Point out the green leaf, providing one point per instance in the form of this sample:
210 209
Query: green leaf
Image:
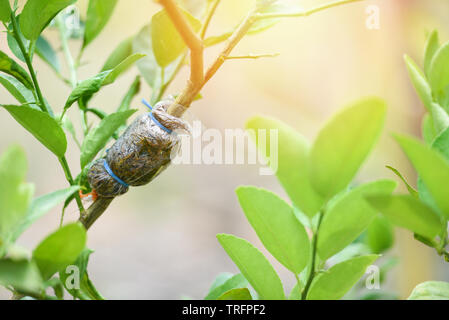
236 281
81 262
439 76
432 167
17 89
14 45
148 66
441 143
236 294
22 275
86 88
431 290
348 216
123 50
41 206
408 212
60 249
276 226
410 189
439 116
122 67
37 14
295 294
45 51
432 45
166 41
379 235
5 11
344 143
98 14
254 266
9 66
100 135
428 129
292 165
335 282
42 126
15 195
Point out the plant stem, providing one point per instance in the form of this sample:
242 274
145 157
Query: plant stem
253 56
304 13
26 55
314 253
210 13
69 178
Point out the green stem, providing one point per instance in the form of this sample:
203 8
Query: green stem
314 253
25 54
69 178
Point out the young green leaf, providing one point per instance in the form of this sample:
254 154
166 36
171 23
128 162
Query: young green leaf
45 51
432 167
60 249
14 45
236 281
254 266
335 282
123 50
9 66
343 144
42 126
439 75
431 290
98 14
122 67
86 88
428 129
295 294
37 14
410 189
17 89
276 226
292 167
166 41
439 116
348 217
408 212
236 294
5 11
441 143
22 275
432 45
100 135
41 206
379 235
15 195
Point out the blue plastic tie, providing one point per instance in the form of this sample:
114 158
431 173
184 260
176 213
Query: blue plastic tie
112 174
160 125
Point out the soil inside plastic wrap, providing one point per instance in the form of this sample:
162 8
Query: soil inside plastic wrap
141 153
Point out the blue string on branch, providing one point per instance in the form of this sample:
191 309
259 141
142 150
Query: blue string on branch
160 125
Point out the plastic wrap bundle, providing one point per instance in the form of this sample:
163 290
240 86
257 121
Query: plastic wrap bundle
141 153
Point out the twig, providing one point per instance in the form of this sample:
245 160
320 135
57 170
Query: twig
253 56
304 13
211 11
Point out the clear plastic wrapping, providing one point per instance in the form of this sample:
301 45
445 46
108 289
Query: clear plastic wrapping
140 154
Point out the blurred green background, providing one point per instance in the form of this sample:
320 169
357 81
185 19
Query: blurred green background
158 241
